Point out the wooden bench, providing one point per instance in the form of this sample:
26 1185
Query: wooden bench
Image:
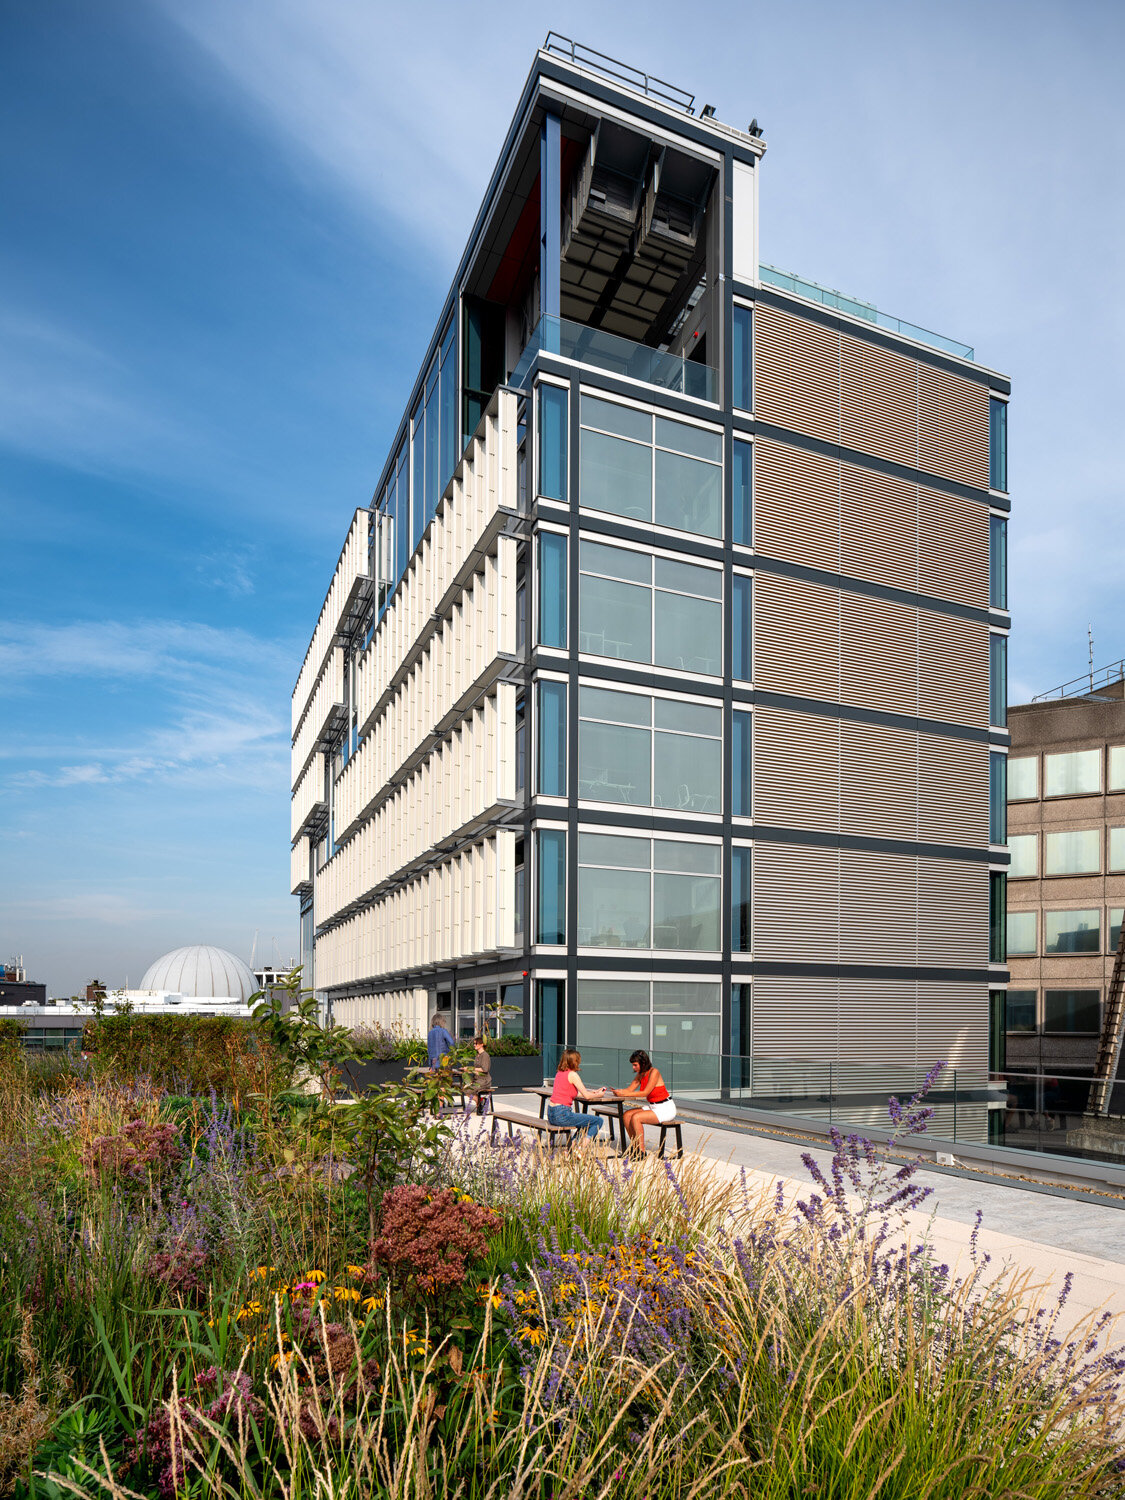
664 1129
529 1122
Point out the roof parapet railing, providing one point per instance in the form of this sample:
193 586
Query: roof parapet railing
620 72
1088 683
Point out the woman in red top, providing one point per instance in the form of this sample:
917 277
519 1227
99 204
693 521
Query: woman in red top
648 1085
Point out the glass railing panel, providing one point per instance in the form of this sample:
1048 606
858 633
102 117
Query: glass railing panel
618 356
812 291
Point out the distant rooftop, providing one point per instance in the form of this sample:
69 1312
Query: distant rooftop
1104 682
827 297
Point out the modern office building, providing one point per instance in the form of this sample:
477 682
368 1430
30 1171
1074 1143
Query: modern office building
659 693
1066 884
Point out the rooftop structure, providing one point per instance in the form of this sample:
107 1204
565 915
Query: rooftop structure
660 691
200 972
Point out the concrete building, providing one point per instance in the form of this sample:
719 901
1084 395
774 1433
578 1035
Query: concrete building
17 989
660 689
1066 884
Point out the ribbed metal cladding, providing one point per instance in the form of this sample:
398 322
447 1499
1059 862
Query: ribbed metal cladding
878 653
795 1017
952 791
879 528
876 1025
952 669
796 901
952 547
953 913
879 401
878 781
952 426
796 770
878 922
950 1031
796 505
796 373
796 637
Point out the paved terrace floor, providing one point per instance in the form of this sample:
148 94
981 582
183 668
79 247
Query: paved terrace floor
1044 1234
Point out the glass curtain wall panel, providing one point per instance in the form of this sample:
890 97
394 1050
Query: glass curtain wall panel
642 751
648 468
641 893
635 607
997 444
740 900
742 392
741 806
742 486
998 679
552 739
550 907
999 918
997 562
1072 1010
742 663
997 798
553 442
552 590
1021 1010
1072 931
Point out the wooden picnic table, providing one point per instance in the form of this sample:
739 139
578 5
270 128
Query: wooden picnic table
612 1109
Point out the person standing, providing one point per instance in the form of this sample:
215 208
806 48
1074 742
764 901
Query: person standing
569 1087
438 1042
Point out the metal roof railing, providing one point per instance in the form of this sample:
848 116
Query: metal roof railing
620 72
1087 684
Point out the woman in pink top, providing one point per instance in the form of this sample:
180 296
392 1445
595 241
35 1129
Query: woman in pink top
568 1087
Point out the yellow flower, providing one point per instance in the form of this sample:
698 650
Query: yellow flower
567 1289
313 1276
265 1271
371 1303
532 1335
355 1270
345 1294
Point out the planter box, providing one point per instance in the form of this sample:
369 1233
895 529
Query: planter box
516 1072
360 1076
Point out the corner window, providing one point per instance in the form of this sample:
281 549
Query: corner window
552 590
552 442
1024 849
1074 775
1023 778
550 908
998 679
742 388
552 739
998 562
1021 934
742 479
650 469
1072 931
636 607
997 798
997 444
1075 853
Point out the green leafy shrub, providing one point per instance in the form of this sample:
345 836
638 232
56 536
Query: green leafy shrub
511 1046
190 1054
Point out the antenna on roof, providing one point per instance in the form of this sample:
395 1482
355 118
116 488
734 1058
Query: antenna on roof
1090 638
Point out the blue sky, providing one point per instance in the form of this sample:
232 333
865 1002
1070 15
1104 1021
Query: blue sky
227 229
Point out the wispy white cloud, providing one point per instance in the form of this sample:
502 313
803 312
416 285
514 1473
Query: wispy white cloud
144 648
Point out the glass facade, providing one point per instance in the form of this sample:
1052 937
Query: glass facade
742 663
647 893
550 907
636 607
1023 778
997 798
1022 937
1076 774
999 919
649 752
742 391
997 444
660 1015
1021 1010
650 469
1072 1010
741 751
552 590
998 562
553 403
998 679
740 891
742 485
552 739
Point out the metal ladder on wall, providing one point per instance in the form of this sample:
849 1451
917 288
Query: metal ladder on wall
1113 1033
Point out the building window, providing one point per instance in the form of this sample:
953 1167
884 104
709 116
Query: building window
1072 1010
742 663
999 919
997 798
1074 775
998 679
741 746
650 469
997 444
741 1027
997 562
635 607
687 1018
1072 931
1114 929
552 739
682 1017
550 908
742 392
649 752
552 442
550 1018
1021 934
614 1013
742 484
997 1036
647 893
1023 778
1117 768
1024 848
552 590
1074 853
740 900
1020 1010
1117 849
521 895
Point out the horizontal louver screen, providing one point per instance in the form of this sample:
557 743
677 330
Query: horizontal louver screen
953 912
796 637
878 781
952 547
797 505
796 373
879 654
879 528
952 669
952 426
879 394
952 791
796 770
796 897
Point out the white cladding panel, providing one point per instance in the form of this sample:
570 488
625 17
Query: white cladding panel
744 215
351 567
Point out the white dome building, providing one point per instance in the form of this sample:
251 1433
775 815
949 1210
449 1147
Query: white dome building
203 973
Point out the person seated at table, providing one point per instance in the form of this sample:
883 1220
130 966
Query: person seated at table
654 1106
568 1087
476 1079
